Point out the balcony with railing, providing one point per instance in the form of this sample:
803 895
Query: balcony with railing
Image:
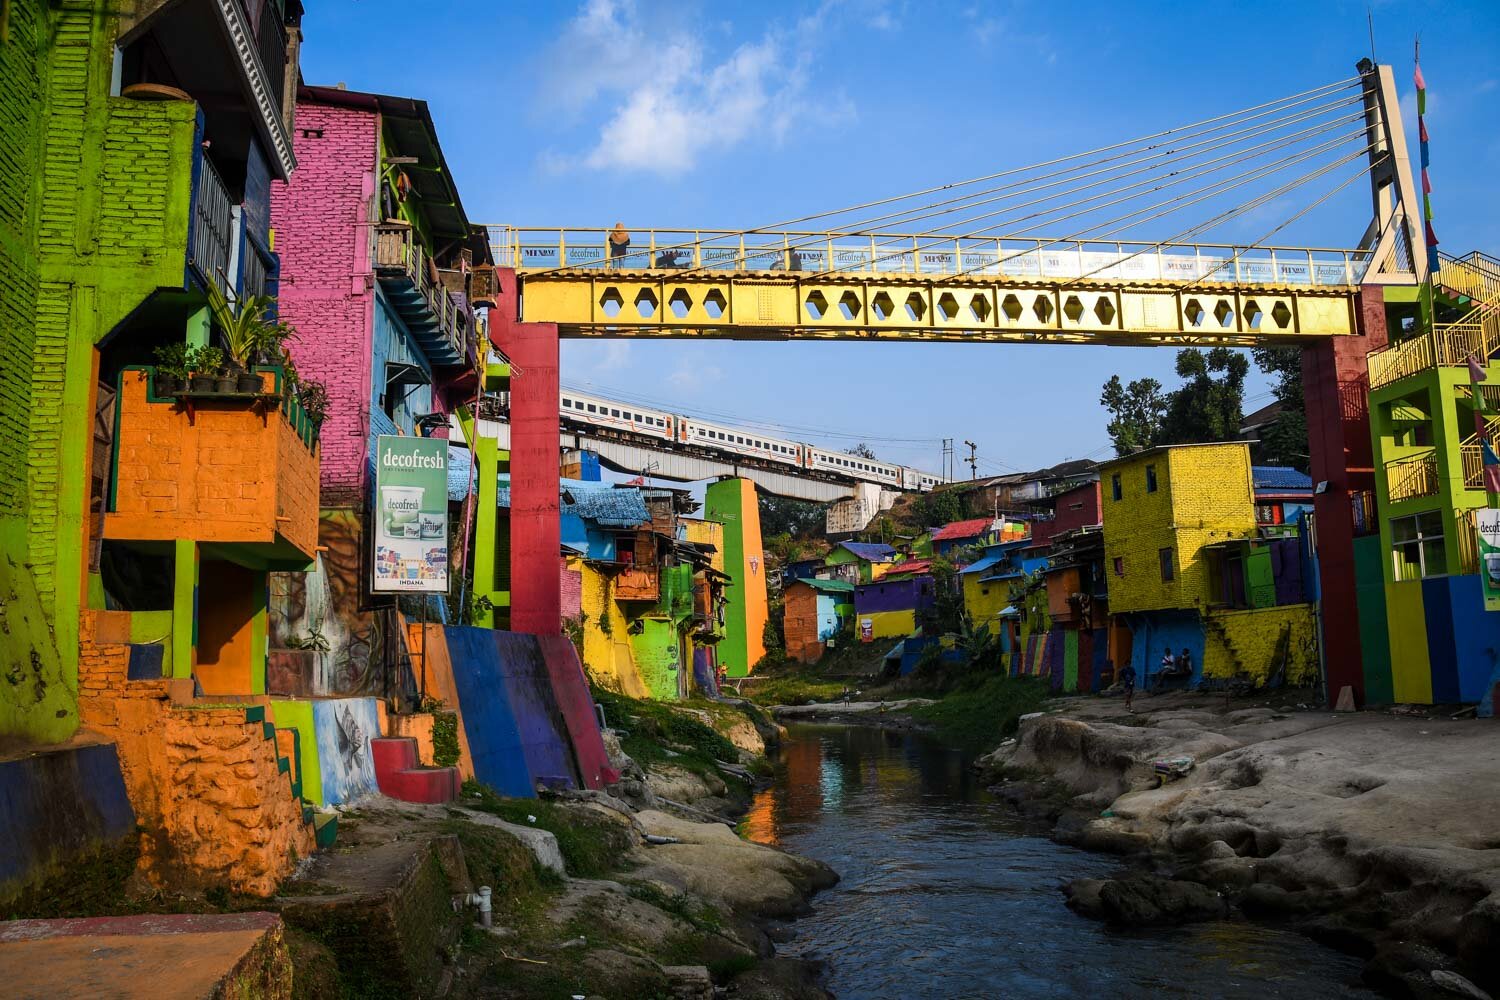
1409 478
238 471
438 318
1448 344
212 236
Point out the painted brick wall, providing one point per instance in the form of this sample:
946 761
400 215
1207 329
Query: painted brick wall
1203 495
229 475
21 97
1248 644
321 220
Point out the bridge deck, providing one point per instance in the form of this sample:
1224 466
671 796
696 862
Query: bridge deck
928 286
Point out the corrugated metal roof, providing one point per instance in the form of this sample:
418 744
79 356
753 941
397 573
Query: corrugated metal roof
962 529
1279 477
870 551
988 562
610 506
908 567
827 586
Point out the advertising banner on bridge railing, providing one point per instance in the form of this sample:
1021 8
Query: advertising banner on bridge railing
411 515
1487 520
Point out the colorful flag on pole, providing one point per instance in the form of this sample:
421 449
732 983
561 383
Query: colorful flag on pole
1426 159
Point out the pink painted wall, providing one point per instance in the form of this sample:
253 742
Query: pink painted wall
321 220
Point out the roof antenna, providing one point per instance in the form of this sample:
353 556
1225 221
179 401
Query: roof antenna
1370 20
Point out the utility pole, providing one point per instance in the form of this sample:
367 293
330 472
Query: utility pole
973 459
947 458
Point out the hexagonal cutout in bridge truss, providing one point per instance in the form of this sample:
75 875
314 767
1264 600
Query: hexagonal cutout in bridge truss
849 306
1194 312
715 304
1043 308
947 307
816 305
1254 314
1224 313
646 303
1105 310
1012 308
680 303
611 302
1281 316
1073 308
916 307
979 307
882 306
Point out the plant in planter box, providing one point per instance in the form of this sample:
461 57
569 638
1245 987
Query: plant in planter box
206 363
313 396
172 368
244 334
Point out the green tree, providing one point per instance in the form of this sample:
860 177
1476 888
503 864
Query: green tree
1285 442
939 507
1136 411
797 518
1207 406
862 450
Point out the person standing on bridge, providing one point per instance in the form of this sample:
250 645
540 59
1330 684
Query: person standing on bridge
619 244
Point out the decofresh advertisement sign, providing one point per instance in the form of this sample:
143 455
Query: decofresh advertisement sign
1488 520
411 515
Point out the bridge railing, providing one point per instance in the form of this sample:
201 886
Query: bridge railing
924 255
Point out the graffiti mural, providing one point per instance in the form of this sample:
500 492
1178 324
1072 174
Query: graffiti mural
319 614
344 728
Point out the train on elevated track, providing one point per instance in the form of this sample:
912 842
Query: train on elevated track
580 411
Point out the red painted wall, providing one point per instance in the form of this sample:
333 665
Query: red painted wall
1336 386
535 517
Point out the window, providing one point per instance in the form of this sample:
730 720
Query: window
1417 546
614 413
1119 565
1164 556
591 408
1114 488
1150 479
568 404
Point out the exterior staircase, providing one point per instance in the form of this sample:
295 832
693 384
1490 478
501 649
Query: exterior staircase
289 762
1471 282
401 776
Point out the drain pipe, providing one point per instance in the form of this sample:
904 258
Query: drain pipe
481 899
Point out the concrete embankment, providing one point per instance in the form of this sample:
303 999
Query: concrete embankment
1377 833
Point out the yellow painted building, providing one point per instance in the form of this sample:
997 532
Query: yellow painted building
607 654
984 600
889 624
1161 507
702 532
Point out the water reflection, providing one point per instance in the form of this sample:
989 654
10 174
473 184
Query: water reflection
943 894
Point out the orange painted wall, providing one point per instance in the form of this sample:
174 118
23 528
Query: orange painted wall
232 474
440 683
801 624
226 612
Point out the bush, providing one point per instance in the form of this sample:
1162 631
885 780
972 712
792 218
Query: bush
984 711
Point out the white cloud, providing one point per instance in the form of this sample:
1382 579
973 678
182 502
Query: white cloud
669 101
694 376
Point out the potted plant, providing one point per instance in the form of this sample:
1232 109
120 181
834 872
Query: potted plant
243 335
225 380
313 395
205 363
171 368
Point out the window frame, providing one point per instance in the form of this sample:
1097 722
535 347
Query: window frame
1116 488
1418 543
1151 483
1166 561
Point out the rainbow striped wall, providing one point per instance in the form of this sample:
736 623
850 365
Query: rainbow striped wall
1072 660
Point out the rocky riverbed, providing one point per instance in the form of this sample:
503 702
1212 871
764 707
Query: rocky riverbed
1375 832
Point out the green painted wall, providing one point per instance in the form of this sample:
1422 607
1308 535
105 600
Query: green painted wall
1374 638
154 627
94 198
298 715
657 656
722 501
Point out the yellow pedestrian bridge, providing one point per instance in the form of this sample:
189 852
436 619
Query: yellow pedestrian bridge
820 285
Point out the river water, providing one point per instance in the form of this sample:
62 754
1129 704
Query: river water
944 894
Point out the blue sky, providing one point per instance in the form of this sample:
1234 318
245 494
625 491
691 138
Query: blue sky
733 116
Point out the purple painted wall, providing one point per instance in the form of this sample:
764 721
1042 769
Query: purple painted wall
912 594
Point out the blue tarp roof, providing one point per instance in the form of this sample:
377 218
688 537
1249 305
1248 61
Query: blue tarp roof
601 503
871 551
1279 477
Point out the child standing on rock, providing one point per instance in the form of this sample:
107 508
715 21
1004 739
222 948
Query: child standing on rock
1127 682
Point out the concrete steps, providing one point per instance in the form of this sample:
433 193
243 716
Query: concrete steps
400 776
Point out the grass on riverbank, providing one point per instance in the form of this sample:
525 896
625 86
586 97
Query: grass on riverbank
795 687
982 711
591 846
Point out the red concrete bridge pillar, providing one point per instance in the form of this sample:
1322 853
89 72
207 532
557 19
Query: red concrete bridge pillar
535 526
1336 387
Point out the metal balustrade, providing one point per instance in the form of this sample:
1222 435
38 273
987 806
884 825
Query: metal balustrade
936 254
440 323
1407 478
212 234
